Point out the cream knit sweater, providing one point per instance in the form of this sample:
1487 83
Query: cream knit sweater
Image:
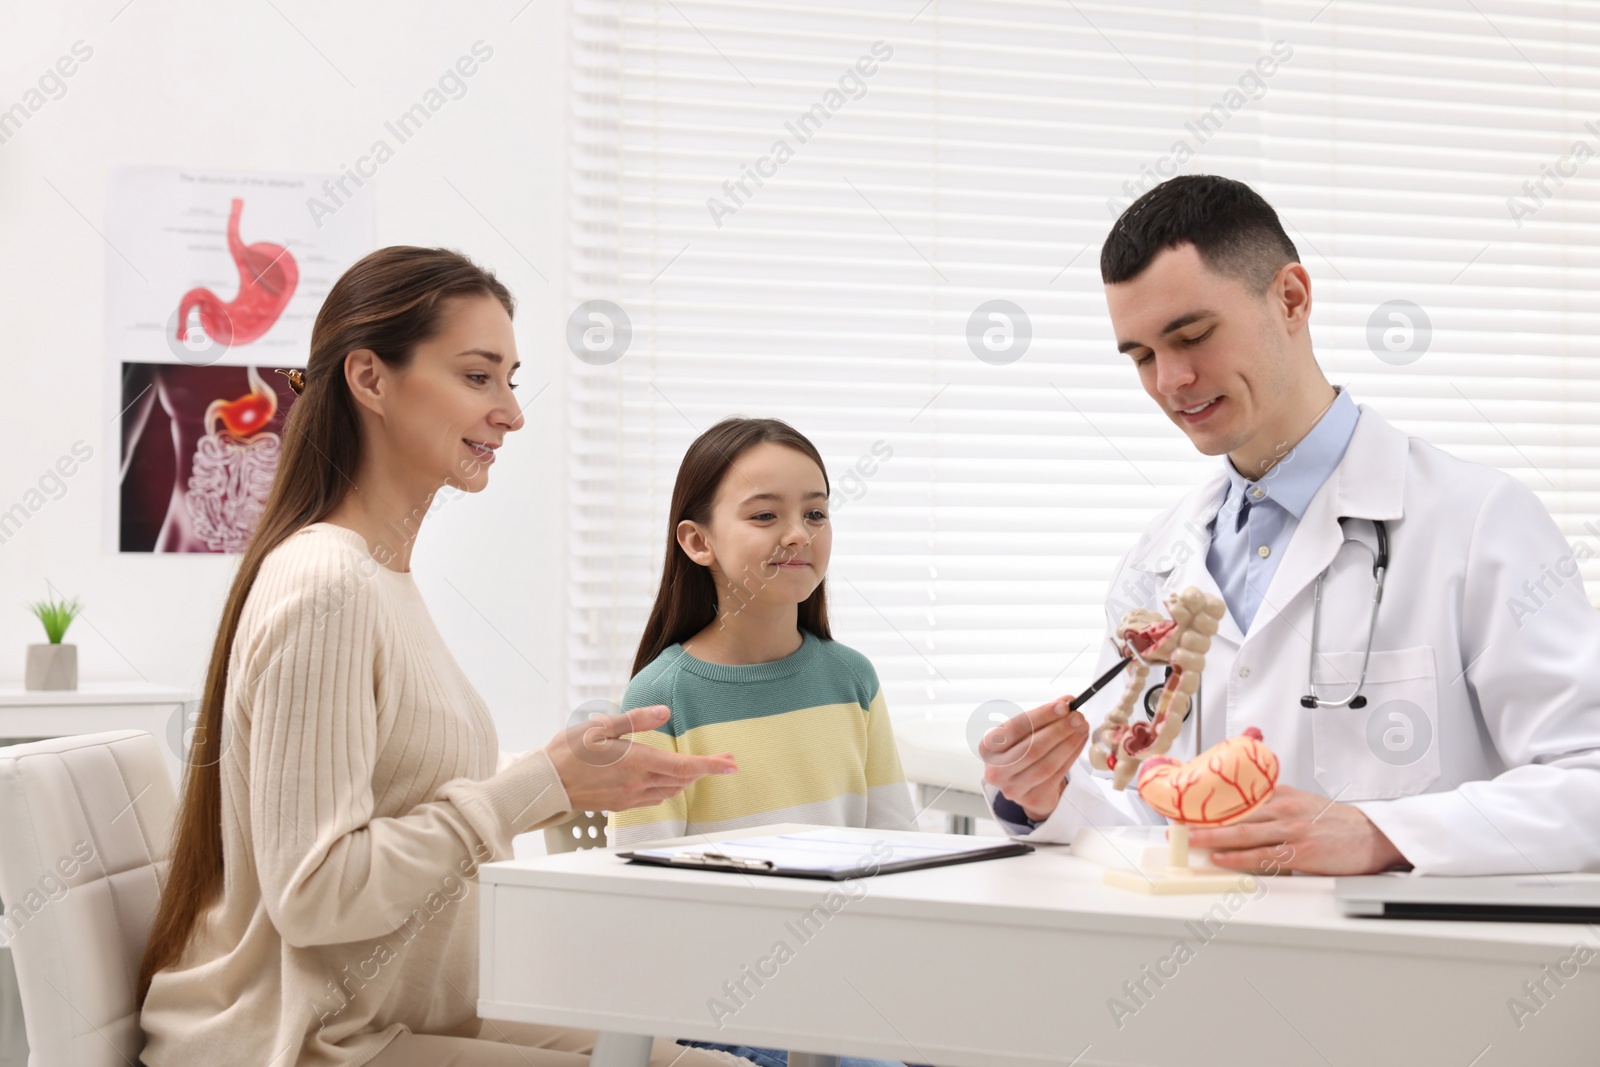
362 786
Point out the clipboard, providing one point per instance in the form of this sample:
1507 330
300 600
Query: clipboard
835 855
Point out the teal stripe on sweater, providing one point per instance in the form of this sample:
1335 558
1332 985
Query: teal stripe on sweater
700 693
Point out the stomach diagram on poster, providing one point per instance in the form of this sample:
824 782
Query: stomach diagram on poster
268 274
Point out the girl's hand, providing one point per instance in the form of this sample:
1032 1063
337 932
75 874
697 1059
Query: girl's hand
601 771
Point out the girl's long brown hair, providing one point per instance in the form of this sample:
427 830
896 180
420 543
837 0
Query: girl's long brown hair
388 302
686 603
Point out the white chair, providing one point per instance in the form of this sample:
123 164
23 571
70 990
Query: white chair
84 828
586 829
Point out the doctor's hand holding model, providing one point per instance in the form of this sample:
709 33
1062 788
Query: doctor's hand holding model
1456 728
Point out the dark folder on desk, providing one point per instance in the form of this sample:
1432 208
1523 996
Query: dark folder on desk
830 854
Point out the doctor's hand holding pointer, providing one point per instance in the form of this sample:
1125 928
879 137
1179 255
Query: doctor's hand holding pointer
1027 758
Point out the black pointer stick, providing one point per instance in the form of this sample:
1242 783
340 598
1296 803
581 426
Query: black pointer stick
1099 684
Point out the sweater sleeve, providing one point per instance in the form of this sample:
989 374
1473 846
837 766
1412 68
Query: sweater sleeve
888 796
329 871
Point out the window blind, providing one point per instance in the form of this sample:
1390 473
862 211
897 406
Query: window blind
815 212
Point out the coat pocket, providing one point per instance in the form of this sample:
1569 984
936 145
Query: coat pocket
1390 747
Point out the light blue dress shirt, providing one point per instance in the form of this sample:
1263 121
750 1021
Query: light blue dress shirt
1244 554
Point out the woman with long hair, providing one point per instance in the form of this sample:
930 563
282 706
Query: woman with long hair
346 779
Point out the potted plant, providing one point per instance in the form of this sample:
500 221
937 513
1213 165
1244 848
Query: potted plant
55 665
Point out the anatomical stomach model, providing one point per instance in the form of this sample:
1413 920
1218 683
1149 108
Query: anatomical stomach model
200 450
1220 786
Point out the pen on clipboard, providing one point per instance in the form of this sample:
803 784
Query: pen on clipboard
1099 683
718 859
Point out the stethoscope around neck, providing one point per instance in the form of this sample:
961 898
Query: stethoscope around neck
1355 700
1380 565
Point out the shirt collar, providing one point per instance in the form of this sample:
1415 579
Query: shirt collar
1295 478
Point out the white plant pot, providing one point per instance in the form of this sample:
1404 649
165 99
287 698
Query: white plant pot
52 667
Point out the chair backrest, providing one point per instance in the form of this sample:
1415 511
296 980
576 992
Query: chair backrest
84 828
587 829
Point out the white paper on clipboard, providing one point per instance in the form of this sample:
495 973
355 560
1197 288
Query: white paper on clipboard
823 851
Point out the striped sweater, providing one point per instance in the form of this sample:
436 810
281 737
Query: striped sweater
810 732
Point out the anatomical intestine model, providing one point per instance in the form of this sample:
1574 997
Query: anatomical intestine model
1220 786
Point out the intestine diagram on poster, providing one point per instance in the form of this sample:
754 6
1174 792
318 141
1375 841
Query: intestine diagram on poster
214 286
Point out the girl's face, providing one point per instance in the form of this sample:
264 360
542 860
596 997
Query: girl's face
448 410
768 540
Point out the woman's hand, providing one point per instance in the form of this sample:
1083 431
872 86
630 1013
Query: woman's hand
603 772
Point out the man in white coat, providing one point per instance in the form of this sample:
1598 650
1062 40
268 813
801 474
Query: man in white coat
1472 743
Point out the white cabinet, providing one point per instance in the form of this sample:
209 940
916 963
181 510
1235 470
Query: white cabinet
31 714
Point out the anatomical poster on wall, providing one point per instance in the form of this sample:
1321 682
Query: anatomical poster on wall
213 281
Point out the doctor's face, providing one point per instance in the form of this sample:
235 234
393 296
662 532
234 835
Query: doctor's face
1212 353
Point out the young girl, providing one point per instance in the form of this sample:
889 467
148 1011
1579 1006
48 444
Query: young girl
738 647
346 780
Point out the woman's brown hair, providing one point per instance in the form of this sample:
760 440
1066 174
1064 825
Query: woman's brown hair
686 603
389 302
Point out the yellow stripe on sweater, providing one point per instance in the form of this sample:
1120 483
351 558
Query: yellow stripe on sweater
808 756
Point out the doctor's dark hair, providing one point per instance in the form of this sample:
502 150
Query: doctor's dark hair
389 302
1234 230
686 603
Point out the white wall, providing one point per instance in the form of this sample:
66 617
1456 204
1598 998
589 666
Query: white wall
243 86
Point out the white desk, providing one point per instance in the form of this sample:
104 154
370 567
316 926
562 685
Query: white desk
942 768
94 707
1016 961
